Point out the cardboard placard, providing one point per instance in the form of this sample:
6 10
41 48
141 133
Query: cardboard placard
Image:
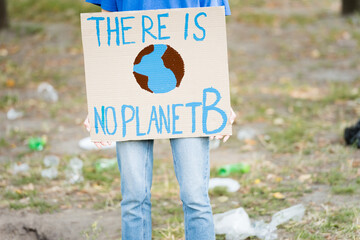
156 73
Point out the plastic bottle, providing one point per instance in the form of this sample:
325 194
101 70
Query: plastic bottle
36 143
47 92
104 164
12 114
52 162
24 167
74 171
50 173
226 170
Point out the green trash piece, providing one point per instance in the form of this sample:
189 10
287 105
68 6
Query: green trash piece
36 143
226 170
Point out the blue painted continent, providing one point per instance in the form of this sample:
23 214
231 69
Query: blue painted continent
160 78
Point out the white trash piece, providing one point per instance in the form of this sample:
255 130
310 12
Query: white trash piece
231 184
47 92
74 171
52 162
12 114
50 173
236 225
24 167
87 144
246 133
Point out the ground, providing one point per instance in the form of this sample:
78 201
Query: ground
294 75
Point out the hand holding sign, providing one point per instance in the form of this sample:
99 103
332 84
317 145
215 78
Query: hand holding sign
231 121
88 128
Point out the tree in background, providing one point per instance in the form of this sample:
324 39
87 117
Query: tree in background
350 6
3 15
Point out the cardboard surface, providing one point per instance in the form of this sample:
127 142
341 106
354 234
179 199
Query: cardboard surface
156 73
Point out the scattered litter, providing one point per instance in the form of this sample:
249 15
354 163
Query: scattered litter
214 144
226 170
12 114
105 164
231 184
24 167
352 135
50 173
74 171
36 143
52 162
246 133
236 224
47 92
87 144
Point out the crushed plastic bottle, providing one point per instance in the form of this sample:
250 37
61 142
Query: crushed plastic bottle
22 167
230 184
50 173
52 162
47 92
236 225
74 171
36 143
87 144
105 164
226 170
12 114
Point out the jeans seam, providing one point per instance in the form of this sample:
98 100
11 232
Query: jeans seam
142 204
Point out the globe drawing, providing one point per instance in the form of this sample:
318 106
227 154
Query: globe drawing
158 68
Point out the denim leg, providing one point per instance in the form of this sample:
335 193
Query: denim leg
192 170
135 161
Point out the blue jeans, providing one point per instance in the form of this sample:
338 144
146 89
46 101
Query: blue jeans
192 170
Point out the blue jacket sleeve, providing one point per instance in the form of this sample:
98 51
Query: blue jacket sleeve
215 3
108 5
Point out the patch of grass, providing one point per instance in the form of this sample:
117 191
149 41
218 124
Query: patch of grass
101 178
17 195
3 142
296 132
332 177
337 223
340 92
219 191
49 10
41 205
34 178
344 190
7 100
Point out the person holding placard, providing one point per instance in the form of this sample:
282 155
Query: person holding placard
190 156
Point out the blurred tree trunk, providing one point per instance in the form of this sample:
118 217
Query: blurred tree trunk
350 6
3 15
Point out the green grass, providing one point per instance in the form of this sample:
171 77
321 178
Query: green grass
7 101
34 178
344 190
40 205
49 10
